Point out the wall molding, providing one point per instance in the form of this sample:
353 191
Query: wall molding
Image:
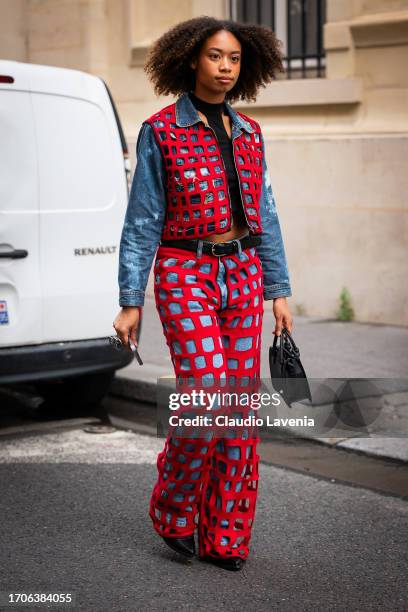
377 30
308 92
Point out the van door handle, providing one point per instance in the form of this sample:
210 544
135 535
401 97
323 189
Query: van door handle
14 254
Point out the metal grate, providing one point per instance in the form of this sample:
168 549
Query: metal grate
298 23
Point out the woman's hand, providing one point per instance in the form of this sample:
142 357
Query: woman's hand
127 323
282 315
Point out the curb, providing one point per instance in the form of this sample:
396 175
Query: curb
146 392
133 389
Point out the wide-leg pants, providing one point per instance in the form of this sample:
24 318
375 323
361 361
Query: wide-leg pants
211 310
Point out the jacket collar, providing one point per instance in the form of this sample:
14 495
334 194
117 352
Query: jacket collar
186 114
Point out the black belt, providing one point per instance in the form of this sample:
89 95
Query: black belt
215 248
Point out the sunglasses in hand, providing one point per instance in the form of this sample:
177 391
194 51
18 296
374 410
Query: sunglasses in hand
118 344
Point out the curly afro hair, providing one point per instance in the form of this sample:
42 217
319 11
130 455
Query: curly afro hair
167 64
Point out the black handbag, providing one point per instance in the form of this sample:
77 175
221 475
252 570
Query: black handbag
287 372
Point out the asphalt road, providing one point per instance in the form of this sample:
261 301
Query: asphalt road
74 519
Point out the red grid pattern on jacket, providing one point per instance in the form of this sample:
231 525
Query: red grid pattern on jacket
198 202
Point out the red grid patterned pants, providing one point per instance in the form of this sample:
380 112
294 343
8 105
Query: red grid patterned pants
211 310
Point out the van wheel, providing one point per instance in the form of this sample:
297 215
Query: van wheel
73 394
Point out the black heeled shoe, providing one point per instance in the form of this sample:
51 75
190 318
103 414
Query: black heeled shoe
185 546
233 564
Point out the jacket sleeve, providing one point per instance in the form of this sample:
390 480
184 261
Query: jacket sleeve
272 251
144 220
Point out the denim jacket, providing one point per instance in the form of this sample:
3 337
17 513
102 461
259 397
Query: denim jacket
145 215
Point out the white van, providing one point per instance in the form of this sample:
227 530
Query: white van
64 185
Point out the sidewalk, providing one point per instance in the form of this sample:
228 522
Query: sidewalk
329 349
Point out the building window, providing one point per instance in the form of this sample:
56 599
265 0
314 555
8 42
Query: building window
297 23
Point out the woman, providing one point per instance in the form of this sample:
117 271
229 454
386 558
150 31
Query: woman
201 193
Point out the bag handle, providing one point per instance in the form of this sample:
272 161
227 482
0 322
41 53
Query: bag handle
279 349
290 349
291 341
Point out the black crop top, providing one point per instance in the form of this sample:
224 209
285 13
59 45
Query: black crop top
213 113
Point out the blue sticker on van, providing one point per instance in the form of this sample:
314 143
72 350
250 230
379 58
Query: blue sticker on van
3 312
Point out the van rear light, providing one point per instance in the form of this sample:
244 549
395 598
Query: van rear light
4 78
